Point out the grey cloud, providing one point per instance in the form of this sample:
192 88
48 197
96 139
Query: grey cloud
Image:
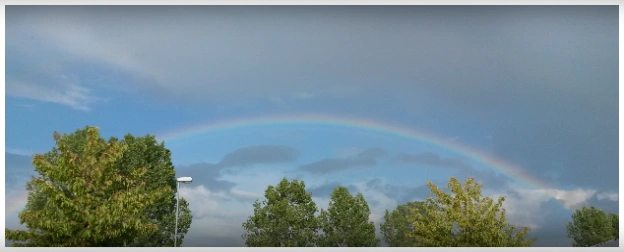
206 174
580 149
334 164
402 194
429 158
208 169
373 202
554 233
606 205
555 103
209 174
488 178
481 45
548 75
366 158
18 163
549 235
325 190
261 154
372 153
244 197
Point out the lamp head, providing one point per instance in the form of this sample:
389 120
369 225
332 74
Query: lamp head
186 180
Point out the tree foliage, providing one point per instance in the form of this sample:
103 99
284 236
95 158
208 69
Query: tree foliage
397 227
590 226
615 224
147 152
93 192
286 218
346 221
464 218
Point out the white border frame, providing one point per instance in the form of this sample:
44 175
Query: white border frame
308 2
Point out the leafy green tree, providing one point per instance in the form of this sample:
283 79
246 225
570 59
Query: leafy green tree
142 155
147 152
464 218
615 224
346 221
88 203
397 227
286 218
590 226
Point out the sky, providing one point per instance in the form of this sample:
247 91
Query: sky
379 99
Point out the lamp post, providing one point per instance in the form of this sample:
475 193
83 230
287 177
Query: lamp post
185 180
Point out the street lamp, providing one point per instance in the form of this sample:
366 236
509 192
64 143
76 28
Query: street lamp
185 180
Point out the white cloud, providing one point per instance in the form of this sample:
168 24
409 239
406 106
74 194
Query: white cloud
66 93
608 196
217 218
245 195
523 207
572 198
202 201
522 210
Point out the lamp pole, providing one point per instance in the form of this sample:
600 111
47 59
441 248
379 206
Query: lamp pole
175 240
185 180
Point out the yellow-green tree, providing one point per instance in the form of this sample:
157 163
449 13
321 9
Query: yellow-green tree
464 218
83 197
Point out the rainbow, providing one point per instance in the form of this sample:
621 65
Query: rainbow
15 202
514 172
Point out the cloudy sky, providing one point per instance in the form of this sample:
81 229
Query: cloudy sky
536 87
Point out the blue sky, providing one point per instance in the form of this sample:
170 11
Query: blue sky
534 86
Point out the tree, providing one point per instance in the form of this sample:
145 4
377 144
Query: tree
615 224
464 218
346 221
140 160
590 226
397 226
286 218
147 152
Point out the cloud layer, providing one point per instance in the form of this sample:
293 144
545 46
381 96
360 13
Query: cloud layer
364 159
